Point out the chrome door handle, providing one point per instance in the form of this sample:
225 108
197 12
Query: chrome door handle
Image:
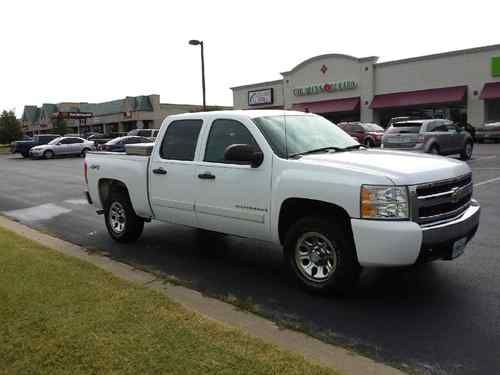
206 176
159 171
94 166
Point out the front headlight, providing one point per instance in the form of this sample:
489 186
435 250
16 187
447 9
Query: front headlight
384 202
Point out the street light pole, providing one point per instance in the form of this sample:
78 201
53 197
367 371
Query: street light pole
195 42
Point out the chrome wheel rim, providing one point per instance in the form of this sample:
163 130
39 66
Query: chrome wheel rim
117 217
315 257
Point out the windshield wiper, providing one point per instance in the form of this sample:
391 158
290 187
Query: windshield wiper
316 150
349 148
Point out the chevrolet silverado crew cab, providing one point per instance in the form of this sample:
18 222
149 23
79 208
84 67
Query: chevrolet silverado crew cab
294 179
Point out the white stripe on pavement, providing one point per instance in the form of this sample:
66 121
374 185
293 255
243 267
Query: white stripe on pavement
36 213
487 181
76 201
484 158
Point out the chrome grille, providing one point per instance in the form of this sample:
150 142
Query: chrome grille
441 201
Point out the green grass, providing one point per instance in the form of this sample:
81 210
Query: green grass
61 315
4 149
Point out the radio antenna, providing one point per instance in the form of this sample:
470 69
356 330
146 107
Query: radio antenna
286 139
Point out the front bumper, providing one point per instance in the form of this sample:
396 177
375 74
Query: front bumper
36 153
438 240
403 243
419 147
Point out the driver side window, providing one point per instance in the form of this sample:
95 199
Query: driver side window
224 133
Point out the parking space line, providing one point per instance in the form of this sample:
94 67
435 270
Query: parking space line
484 158
487 181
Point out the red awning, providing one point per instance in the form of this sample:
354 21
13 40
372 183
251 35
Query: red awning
421 97
491 91
327 106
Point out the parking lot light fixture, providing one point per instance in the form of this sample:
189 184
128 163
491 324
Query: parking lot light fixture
195 42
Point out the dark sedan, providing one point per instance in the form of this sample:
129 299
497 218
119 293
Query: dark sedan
118 144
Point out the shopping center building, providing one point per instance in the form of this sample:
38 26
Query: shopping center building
463 86
122 115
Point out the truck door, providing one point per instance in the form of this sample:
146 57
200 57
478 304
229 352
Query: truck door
234 198
172 181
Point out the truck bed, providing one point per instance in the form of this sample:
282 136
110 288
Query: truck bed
131 170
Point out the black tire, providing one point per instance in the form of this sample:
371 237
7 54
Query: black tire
133 225
48 154
466 153
25 155
434 149
84 152
369 143
343 277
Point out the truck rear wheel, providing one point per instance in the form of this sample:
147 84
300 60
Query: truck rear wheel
321 256
121 220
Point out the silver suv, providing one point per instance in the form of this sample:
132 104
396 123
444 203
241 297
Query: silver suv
432 136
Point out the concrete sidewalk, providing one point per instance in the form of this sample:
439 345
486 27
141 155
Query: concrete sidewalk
312 349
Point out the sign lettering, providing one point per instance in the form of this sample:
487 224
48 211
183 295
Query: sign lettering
260 97
325 88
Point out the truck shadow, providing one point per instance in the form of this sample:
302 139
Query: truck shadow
378 318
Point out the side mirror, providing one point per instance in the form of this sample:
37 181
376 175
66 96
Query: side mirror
244 154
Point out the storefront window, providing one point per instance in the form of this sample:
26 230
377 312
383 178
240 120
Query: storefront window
492 110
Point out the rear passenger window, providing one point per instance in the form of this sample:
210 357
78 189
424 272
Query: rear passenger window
224 133
179 142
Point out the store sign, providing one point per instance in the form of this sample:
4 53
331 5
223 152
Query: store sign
325 88
260 97
495 66
72 115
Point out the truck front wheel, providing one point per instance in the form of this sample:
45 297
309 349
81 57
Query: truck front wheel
321 256
122 222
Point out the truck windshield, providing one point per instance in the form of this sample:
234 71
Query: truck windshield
298 134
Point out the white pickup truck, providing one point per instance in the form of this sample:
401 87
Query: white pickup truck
295 179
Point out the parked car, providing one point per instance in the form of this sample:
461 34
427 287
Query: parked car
118 144
399 119
469 129
434 136
149 133
24 147
101 139
63 146
488 132
293 179
367 134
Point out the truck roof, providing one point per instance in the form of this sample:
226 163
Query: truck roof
250 113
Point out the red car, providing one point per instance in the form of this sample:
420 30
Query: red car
368 134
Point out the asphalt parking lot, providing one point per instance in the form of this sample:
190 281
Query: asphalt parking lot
440 318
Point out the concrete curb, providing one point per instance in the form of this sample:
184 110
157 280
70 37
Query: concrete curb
312 349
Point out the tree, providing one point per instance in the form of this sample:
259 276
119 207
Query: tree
10 127
60 126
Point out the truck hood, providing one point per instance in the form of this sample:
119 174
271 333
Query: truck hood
403 168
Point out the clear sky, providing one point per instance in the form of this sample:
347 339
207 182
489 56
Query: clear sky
73 50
